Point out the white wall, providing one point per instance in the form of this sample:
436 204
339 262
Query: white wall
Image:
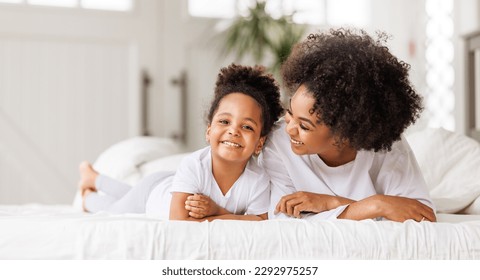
69 88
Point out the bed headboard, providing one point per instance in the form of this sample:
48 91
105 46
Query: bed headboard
472 84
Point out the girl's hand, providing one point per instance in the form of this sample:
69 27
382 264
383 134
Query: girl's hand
396 208
200 206
294 204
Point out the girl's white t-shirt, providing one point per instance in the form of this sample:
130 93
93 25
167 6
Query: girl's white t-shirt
393 173
250 194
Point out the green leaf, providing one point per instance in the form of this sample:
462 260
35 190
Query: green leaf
260 35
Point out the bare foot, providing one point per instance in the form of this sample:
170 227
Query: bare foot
84 195
88 175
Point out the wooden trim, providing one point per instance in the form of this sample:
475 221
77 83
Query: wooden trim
471 47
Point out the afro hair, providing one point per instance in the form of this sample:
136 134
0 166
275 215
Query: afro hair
361 91
254 82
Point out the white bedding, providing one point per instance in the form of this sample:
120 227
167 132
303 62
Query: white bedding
62 232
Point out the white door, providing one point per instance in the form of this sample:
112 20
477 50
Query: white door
191 46
70 84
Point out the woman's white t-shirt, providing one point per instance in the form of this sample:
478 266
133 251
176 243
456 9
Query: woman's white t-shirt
393 173
250 194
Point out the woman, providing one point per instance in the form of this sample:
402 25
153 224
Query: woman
340 153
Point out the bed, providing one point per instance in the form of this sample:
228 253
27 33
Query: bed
449 161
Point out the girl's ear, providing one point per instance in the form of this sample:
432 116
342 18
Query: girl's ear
207 134
260 145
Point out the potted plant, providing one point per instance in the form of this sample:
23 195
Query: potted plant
267 40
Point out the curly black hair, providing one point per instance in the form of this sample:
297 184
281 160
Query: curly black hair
361 91
251 81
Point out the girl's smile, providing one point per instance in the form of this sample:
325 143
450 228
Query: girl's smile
231 144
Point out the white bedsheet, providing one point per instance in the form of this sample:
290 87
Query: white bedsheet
61 232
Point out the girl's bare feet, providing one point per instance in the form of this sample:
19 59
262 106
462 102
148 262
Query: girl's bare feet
88 175
84 195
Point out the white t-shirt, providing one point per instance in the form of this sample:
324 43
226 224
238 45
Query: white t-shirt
390 173
250 194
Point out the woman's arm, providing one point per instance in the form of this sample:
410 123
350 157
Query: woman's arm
260 217
403 192
294 204
394 208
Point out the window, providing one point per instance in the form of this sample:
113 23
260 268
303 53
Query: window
348 12
112 5
212 8
440 98
306 11
56 3
314 12
109 5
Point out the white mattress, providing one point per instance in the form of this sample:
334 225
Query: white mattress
61 232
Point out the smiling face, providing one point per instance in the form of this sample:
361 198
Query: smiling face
307 135
310 136
234 133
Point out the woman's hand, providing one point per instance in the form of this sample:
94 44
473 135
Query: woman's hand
200 206
394 208
296 203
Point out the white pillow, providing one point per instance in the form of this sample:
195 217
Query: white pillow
473 208
122 161
168 163
450 163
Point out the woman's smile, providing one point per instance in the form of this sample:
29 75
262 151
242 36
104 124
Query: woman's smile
295 142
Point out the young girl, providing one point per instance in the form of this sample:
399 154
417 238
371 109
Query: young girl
340 152
225 180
